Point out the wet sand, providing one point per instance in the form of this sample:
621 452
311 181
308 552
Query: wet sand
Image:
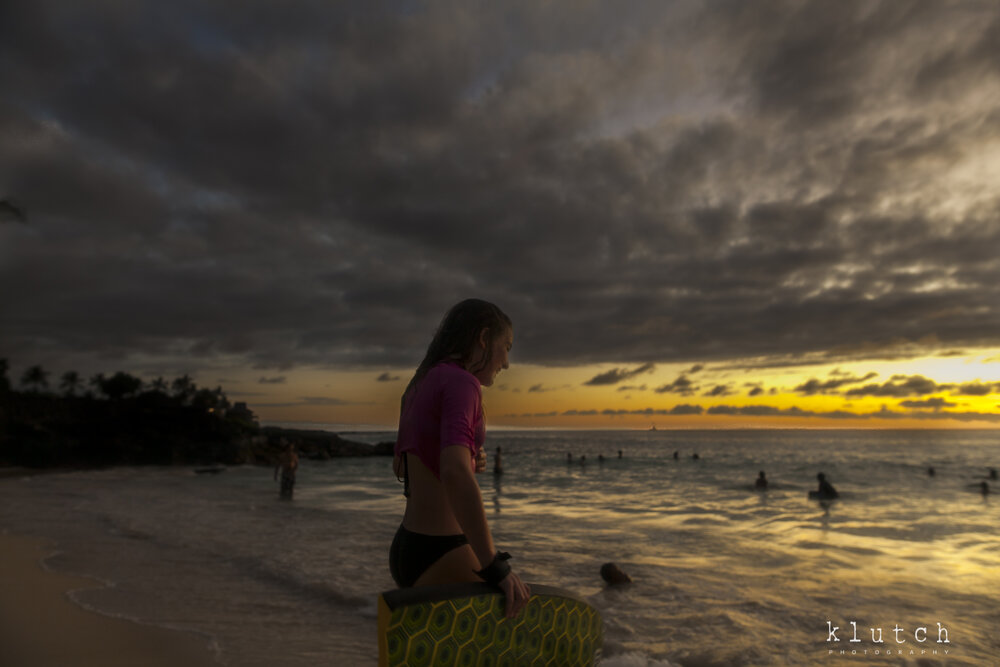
41 627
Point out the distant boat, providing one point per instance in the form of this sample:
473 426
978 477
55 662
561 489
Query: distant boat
653 427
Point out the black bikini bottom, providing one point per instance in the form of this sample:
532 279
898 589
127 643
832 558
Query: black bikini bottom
412 553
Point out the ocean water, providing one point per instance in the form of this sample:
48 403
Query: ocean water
722 574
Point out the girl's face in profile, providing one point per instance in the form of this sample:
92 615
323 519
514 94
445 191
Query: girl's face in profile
498 360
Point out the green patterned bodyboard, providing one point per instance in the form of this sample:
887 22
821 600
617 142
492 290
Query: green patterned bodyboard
464 624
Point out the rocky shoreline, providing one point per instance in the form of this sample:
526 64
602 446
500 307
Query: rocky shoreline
313 444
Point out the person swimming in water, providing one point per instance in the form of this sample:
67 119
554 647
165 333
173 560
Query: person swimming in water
761 483
497 464
826 490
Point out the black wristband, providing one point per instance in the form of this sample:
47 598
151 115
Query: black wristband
498 568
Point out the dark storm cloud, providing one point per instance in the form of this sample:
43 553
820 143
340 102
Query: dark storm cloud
314 184
677 410
11 212
815 386
929 410
682 385
751 410
933 403
899 386
308 401
977 389
884 413
387 377
616 375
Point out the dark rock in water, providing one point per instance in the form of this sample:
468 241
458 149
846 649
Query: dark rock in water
385 449
612 574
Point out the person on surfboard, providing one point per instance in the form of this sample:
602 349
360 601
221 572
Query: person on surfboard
444 536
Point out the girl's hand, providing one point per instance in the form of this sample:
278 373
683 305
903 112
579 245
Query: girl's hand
481 460
516 593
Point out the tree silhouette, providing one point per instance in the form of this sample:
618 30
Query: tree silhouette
210 400
117 422
222 401
4 382
70 383
97 382
184 388
35 378
121 385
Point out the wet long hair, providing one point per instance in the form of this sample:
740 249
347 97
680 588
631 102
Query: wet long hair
457 335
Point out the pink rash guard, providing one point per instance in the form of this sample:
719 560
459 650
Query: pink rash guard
445 408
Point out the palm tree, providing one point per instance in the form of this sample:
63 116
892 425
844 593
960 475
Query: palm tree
35 377
70 382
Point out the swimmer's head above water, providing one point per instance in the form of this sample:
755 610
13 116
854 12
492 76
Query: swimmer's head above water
612 574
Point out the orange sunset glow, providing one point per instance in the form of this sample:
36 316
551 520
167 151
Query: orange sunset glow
944 391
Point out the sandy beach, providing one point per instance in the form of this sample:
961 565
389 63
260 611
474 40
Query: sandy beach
41 627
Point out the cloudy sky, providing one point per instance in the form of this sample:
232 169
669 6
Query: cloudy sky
696 213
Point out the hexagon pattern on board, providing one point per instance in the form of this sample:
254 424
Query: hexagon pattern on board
473 632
